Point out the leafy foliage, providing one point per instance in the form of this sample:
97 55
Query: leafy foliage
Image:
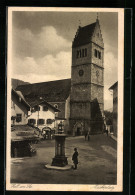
109 117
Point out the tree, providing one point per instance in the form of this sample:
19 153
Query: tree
108 117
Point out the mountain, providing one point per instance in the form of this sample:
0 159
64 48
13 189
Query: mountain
16 82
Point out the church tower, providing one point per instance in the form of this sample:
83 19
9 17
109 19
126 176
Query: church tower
87 80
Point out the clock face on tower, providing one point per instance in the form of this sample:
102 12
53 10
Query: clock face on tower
81 72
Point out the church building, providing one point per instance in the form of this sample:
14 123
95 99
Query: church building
87 80
81 98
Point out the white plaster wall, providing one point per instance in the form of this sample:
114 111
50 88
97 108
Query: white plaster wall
50 114
17 110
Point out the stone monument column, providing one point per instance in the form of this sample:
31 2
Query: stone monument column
60 159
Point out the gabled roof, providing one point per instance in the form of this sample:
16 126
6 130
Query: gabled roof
37 101
51 91
20 96
113 86
34 101
83 35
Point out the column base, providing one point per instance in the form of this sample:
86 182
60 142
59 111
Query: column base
59 161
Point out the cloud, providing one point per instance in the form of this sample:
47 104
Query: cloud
110 75
59 65
46 56
51 41
43 69
34 78
110 67
108 97
24 66
26 43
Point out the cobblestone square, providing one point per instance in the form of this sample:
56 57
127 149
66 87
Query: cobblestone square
97 163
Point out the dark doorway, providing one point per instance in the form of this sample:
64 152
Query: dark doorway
78 131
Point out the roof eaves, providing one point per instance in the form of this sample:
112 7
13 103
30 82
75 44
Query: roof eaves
44 101
21 98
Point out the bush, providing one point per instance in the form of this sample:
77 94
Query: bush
108 117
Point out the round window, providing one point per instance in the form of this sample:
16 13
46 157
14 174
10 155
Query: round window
56 105
81 72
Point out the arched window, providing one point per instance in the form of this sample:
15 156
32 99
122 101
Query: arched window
85 52
80 53
99 55
95 53
83 55
77 54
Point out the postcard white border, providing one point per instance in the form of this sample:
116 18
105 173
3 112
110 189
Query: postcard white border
71 187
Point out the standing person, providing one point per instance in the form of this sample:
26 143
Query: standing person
85 135
88 136
75 158
44 134
107 132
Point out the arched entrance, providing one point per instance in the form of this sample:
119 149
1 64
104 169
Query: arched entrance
78 128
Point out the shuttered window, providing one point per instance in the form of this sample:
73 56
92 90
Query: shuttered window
31 121
41 121
49 121
18 118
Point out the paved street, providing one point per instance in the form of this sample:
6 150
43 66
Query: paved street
97 163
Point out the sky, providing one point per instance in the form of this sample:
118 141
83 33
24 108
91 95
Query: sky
42 45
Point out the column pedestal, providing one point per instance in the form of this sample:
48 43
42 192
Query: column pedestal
60 159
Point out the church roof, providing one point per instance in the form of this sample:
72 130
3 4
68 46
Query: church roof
52 91
83 35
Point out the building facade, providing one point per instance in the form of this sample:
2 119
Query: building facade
42 114
87 80
114 87
56 93
81 98
19 109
